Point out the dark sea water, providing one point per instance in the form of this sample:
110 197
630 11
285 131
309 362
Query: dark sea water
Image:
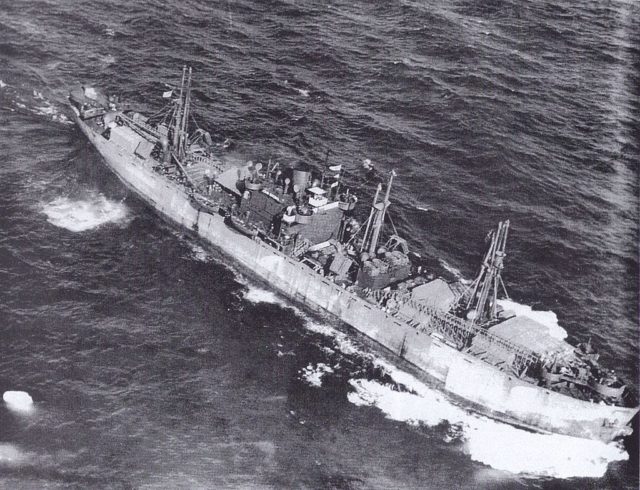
155 363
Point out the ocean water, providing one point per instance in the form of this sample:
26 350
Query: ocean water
152 362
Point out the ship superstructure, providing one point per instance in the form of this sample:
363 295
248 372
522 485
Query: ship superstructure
304 232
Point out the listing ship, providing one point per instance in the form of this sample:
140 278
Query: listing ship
304 233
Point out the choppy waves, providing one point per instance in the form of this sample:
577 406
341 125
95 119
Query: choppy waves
33 102
515 110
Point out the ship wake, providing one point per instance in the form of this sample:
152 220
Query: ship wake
492 443
500 446
34 102
85 214
404 398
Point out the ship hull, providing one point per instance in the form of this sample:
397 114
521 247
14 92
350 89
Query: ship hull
466 380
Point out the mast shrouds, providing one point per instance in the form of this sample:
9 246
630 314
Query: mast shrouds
482 303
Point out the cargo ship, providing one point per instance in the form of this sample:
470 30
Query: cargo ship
304 232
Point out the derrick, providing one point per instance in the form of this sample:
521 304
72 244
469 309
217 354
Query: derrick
482 301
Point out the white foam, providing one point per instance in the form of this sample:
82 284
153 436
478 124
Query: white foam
11 455
257 295
200 254
50 110
497 445
45 110
428 408
303 92
2 84
90 92
313 375
501 446
85 214
452 269
19 401
341 340
108 59
547 318
506 448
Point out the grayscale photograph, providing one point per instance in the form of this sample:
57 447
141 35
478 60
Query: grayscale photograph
286 244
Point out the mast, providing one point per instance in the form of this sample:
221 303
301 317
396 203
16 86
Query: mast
371 215
185 117
482 303
178 113
381 211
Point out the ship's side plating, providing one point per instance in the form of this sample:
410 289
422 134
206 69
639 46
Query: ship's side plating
464 377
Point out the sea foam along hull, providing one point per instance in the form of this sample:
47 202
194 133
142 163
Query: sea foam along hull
463 377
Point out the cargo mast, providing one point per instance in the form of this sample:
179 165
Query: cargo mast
181 114
177 113
376 218
482 303
185 117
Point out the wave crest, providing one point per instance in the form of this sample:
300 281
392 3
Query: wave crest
495 444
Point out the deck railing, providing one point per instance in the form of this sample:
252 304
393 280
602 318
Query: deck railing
460 331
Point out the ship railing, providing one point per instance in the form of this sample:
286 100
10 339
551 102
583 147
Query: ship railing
199 158
467 330
271 242
195 158
460 330
205 160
